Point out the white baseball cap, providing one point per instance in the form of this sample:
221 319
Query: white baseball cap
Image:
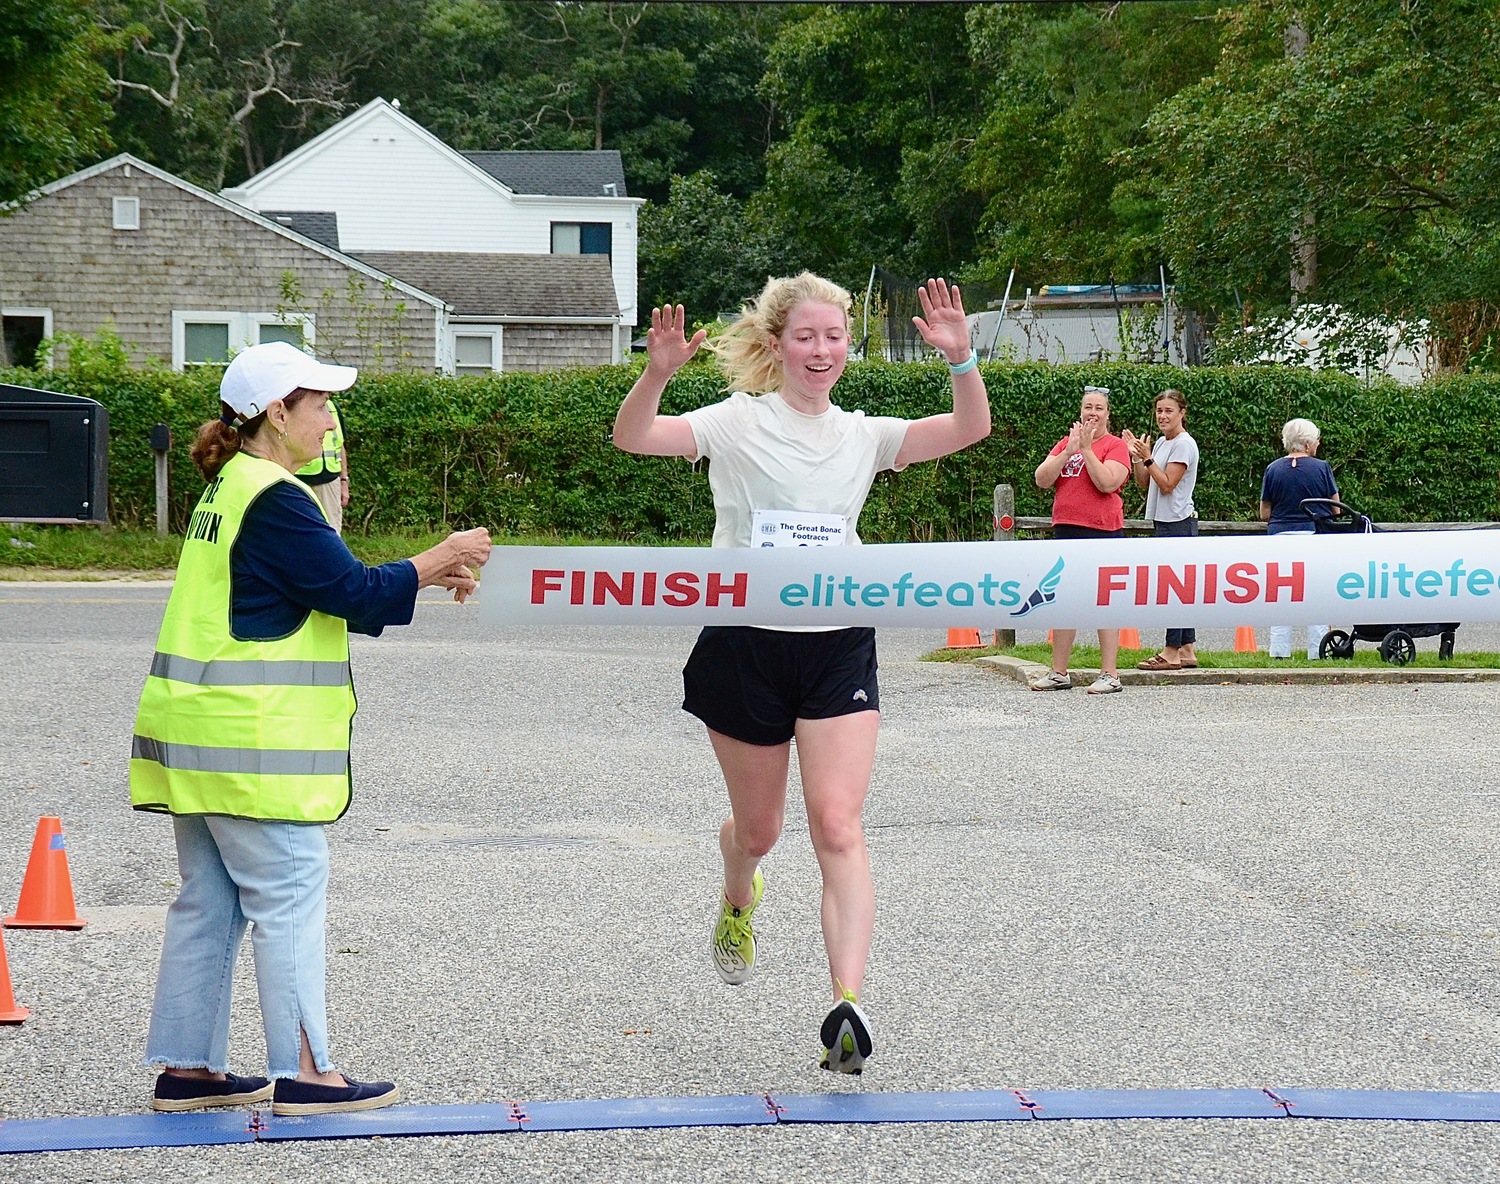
261 374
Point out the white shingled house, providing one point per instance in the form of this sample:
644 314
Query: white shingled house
535 251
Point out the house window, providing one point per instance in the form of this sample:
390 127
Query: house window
25 330
296 329
205 343
291 334
127 213
581 238
212 338
476 349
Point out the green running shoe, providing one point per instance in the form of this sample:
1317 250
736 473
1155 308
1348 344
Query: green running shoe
733 943
846 1037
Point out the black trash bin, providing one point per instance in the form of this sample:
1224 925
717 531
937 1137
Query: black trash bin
54 457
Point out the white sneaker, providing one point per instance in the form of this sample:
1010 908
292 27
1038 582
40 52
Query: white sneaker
846 1037
1106 684
1052 681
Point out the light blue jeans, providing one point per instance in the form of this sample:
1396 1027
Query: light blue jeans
235 872
1281 635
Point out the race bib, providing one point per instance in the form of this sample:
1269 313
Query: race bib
798 528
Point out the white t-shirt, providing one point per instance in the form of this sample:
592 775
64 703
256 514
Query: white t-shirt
763 455
1177 505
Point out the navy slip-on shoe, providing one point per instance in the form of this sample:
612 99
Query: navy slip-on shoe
175 1094
294 1097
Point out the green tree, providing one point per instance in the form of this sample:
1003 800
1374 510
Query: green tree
215 92
53 110
1376 146
1070 88
674 87
53 113
567 75
879 103
698 250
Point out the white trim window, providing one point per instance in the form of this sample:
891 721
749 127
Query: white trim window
297 329
475 349
211 338
25 330
127 213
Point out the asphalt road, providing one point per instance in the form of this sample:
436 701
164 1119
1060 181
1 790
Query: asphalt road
1212 886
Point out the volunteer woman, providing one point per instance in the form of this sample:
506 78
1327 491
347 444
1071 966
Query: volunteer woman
779 444
1168 472
242 735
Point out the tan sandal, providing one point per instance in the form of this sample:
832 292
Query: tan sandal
1157 662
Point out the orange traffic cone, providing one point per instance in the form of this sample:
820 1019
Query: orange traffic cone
1130 639
964 639
9 1012
47 890
1244 640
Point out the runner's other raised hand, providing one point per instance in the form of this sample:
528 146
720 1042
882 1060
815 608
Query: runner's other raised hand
943 325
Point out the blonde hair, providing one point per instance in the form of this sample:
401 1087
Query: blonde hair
744 349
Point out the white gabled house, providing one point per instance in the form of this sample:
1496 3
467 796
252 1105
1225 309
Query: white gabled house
396 189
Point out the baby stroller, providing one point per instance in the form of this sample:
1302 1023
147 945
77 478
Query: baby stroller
1397 642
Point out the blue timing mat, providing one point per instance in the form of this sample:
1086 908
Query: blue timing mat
1154 1103
974 1106
247 1126
1396 1105
484 1119
637 1113
201 1129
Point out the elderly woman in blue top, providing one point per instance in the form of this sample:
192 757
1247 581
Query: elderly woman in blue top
243 737
1288 480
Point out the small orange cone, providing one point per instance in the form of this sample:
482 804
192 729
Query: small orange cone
1244 640
9 1012
47 890
1130 639
964 639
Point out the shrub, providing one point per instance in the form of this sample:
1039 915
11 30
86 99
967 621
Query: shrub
532 452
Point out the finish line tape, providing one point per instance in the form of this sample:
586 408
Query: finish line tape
1399 577
18 1135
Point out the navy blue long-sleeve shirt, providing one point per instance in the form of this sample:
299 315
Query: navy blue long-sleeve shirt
287 560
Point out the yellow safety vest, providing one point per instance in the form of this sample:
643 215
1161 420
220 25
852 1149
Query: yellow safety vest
251 729
330 461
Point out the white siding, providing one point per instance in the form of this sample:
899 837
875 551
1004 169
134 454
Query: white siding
395 188
540 213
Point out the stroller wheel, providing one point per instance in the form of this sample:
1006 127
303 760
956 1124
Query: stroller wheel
1445 646
1336 644
1398 647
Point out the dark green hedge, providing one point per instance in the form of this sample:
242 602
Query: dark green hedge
528 452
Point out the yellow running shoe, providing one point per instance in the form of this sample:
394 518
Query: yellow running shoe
846 1037
733 943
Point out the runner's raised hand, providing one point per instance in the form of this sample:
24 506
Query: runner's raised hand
942 324
667 346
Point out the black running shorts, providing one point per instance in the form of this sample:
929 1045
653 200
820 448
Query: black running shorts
755 684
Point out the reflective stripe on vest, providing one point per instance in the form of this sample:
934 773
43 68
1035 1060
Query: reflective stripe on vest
280 762
250 672
253 729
